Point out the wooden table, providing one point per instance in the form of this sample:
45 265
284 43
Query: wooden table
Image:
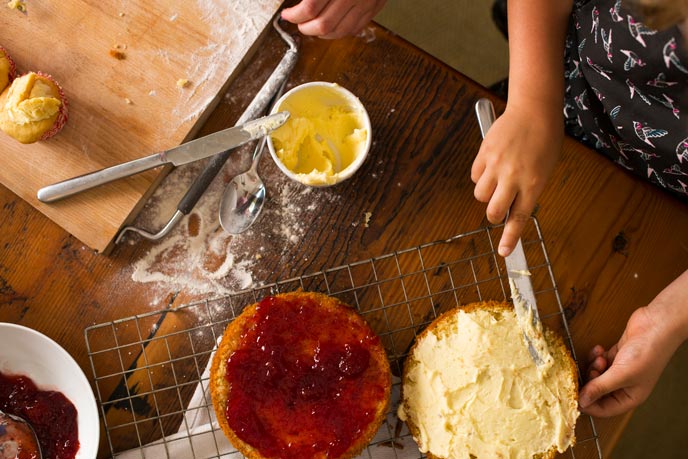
613 241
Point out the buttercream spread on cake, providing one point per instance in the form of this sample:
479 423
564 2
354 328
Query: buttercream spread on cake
474 391
322 137
30 100
533 336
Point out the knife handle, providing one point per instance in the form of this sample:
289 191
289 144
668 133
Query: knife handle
485 112
202 182
84 182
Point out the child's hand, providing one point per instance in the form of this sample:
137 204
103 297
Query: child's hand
623 377
511 169
332 18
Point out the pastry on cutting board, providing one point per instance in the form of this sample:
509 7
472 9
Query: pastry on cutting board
7 68
300 375
471 389
33 108
19 5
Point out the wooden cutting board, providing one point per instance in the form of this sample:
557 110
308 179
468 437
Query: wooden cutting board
121 108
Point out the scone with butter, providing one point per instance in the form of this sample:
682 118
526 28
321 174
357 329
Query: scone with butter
33 108
7 69
471 390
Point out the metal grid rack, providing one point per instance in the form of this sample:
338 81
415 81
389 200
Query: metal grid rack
150 370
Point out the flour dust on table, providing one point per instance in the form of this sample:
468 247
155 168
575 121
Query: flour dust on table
197 256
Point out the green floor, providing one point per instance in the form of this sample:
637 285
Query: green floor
461 33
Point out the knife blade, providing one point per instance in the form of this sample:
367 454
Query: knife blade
525 304
520 285
187 152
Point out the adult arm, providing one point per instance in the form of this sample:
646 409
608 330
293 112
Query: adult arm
332 18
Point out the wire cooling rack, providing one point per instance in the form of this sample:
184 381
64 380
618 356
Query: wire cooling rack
150 370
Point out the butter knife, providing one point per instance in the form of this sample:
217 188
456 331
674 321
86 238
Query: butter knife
517 271
185 153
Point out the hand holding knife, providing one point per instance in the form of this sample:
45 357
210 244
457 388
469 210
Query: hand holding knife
520 285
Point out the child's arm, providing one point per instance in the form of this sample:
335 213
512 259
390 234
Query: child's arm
332 18
623 377
522 147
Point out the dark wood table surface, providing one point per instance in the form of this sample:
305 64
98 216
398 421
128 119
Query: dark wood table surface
613 241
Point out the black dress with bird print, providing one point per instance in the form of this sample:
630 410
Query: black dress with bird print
627 92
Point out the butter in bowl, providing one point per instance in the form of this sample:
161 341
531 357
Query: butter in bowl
327 136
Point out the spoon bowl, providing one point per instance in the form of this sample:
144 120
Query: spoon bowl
17 438
243 198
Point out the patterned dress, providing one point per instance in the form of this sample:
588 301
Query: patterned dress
627 92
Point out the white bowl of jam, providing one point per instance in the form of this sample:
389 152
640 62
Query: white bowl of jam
49 390
326 138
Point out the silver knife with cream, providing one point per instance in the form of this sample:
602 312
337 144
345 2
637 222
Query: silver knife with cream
187 152
518 273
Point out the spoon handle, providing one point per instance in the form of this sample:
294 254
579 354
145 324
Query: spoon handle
260 146
275 83
263 142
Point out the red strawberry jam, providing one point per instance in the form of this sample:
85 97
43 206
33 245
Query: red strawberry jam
302 382
52 416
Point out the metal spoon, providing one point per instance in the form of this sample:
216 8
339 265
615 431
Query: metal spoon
243 198
17 438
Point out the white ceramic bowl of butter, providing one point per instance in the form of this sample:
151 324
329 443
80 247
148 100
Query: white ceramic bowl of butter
326 138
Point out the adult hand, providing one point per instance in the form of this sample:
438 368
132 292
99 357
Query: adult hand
332 18
513 165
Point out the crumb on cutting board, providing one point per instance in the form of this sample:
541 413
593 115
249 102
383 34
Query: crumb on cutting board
117 51
367 216
183 83
117 54
128 101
